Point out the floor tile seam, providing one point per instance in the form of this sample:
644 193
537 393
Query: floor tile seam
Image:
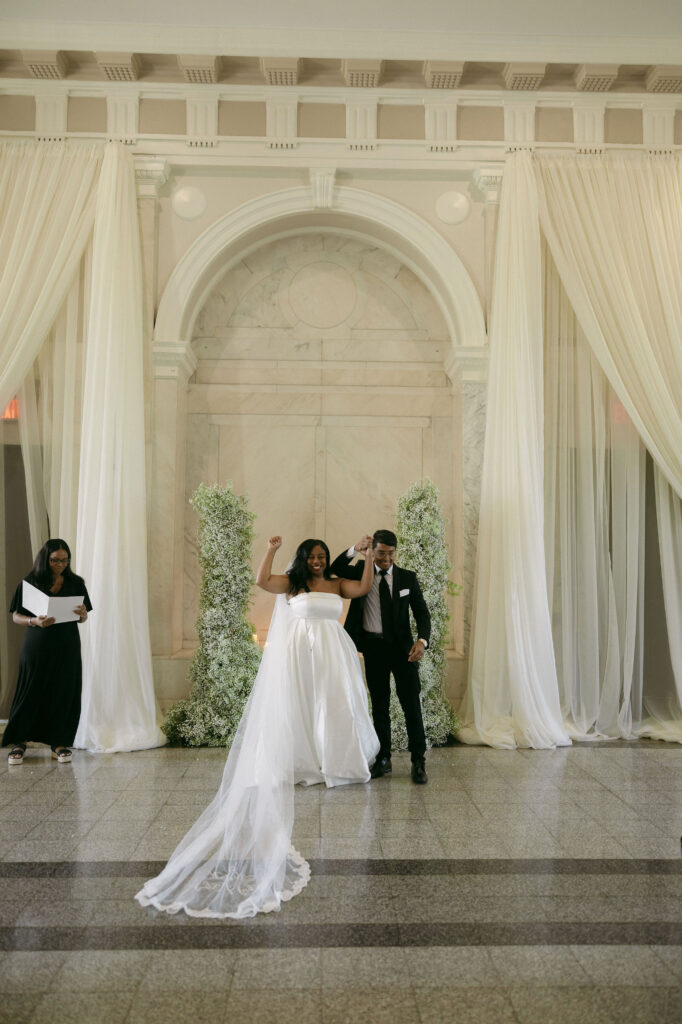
319 936
423 867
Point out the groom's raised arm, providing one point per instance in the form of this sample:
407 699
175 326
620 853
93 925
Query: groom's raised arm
342 567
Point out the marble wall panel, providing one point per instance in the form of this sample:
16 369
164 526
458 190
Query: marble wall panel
201 466
473 436
366 470
259 373
262 345
373 375
273 463
387 348
270 398
387 402
222 302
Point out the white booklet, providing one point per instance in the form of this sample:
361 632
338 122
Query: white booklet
61 609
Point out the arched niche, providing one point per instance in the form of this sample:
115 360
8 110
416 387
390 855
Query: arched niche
364 217
288 211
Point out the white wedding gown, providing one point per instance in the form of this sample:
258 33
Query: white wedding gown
306 721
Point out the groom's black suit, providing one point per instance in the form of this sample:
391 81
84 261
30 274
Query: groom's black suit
389 654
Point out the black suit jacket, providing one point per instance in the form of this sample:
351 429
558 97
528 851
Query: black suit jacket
406 594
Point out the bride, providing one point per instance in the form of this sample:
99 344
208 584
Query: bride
306 721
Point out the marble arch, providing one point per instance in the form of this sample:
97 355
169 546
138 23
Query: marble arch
355 212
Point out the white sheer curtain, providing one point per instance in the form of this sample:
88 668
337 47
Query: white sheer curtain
513 698
47 209
50 312
662 708
119 706
614 228
613 224
594 531
50 401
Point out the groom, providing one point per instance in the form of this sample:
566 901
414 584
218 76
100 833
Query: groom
379 625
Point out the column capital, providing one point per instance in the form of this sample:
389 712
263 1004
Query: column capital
173 360
150 175
467 363
488 181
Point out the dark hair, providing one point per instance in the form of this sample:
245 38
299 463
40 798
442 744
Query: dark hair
386 537
41 567
299 573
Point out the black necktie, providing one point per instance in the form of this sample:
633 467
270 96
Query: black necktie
386 605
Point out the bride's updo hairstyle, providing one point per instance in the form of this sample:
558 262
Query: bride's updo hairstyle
298 573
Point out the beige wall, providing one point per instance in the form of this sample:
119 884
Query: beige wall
17 113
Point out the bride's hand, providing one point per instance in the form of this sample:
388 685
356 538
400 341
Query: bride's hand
365 544
274 543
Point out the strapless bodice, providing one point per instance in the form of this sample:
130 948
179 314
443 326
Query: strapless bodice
316 605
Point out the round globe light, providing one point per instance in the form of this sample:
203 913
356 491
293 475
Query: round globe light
188 202
453 207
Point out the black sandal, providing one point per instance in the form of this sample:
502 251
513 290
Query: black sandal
16 754
61 754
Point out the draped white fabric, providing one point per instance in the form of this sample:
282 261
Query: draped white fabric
594 531
614 228
47 209
50 401
512 698
662 711
4 620
119 706
84 472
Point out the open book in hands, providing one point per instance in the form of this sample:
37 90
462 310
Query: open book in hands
61 609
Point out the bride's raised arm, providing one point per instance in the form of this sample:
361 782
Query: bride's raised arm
265 579
358 588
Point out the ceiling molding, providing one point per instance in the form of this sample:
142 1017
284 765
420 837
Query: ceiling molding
339 43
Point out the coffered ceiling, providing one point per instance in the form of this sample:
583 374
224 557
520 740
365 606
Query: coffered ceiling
610 45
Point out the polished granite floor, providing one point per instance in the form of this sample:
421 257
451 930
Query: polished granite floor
518 886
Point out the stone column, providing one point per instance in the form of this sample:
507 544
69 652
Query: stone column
488 180
151 176
467 368
173 365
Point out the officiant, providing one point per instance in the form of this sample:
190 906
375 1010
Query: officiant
47 701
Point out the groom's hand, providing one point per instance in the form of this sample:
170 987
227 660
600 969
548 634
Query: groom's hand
417 651
364 545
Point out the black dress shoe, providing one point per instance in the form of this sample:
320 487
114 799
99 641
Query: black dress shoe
419 776
382 766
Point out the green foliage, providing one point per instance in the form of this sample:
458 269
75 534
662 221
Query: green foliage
226 662
421 547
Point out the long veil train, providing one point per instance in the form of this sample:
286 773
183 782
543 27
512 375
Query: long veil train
237 859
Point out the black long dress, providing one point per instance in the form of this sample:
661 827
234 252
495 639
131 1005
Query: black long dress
47 702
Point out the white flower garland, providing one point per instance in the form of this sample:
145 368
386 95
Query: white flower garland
226 662
420 529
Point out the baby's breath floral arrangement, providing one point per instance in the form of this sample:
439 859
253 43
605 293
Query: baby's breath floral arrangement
420 530
226 662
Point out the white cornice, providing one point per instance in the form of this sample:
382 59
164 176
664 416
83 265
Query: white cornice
338 94
329 43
